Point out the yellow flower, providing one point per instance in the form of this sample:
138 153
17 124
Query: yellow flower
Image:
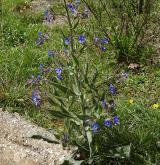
130 101
155 106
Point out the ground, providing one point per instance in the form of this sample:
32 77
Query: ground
17 147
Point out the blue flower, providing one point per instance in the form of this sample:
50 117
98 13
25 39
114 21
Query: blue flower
104 104
41 68
40 41
67 41
39 77
36 98
107 123
46 13
116 120
102 48
81 39
74 11
50 53
58 71
112 89
47 70
32 80
39 34
105 41
96 39
111 103
95 127
59 77
71 7
48 16
125 74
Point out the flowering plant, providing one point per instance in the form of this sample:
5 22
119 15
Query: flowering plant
76 96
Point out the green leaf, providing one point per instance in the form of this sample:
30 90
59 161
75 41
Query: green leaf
158 144
57 103
83 49
76 24
76 62
59 114
69 160
95 76
121 152
76 91
63 111
63 88
77 121
54 102
89 138
86 74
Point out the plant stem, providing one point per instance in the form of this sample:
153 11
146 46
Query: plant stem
72 54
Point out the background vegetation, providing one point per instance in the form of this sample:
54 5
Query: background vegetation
132 39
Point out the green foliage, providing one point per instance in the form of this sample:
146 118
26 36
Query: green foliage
86 76
127 24
76 98
13 33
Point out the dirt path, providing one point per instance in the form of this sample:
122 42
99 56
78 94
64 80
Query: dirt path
18 148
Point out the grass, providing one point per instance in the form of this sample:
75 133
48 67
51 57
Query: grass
20 58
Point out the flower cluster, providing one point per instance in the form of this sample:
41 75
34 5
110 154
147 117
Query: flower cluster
51 53
82 39
48 16
112 118
59 73
36 98
67 41
101 43
112 89
107 123
72 8
41 38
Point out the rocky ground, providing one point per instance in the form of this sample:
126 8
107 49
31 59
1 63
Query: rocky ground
24 143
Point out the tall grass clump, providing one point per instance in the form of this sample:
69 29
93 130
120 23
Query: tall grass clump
127 23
